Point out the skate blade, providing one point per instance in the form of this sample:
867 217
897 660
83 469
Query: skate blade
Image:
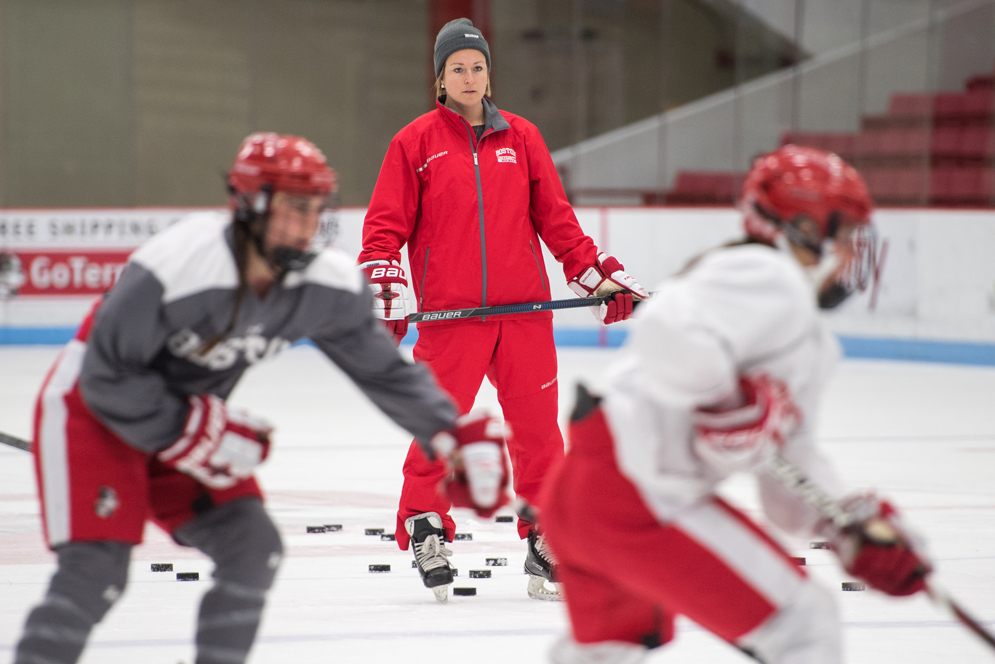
441 593
538 590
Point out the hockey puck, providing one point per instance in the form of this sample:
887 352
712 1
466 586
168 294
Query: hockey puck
467 592
819 545
480 574
798 560
455 571
505 519
853 585
162 567
379 568
414 564
188 576
316 529
374 531
496 562
333 527
464 537
387 537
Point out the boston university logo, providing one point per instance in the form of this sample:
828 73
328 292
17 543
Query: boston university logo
506 155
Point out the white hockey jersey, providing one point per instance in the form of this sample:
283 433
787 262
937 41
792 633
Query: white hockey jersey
737 309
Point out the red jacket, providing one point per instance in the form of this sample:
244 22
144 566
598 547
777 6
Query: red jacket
472 212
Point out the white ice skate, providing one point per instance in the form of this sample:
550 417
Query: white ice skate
428 541
541 567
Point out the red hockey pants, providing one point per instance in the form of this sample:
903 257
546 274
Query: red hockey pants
625 575
519 358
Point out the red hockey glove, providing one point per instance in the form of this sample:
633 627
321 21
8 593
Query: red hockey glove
219 447
475 450
605 277
877 548
390 295
744 436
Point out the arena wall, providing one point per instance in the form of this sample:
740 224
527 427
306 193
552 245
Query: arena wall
932 296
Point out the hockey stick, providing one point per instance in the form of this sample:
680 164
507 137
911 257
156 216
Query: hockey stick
500 309
797 483
14 441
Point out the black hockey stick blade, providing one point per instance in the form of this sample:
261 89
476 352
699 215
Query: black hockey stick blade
14 441
798 483
501 309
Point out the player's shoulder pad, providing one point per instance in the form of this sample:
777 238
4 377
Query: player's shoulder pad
332 268
190 256
753 266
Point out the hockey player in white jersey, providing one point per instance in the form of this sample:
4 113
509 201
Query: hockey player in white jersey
724 368
132 425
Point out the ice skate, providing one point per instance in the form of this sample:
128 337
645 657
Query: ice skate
428 541
541 567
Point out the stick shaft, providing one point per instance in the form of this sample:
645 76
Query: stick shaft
14 441
501 309
799 484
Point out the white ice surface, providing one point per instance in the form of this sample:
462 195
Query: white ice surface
923 434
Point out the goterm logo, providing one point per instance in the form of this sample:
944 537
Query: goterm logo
506 155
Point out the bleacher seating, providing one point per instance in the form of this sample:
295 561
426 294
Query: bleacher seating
928 149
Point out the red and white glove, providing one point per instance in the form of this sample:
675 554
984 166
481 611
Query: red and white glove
390 295
744 435
605 277
474 448
877 548
219 446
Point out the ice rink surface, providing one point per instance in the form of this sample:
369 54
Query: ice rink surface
924 434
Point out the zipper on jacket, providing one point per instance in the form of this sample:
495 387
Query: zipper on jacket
480 213
536 258
421 289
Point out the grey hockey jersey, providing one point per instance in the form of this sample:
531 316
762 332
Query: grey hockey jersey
144 352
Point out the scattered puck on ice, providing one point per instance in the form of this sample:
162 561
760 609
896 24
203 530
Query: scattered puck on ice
333 527
387 537
465 591
798 560
188 576
505 519
853 585
496 562
464 537
819 545
374 531
379 568
414 564
317 529
480 574
162 567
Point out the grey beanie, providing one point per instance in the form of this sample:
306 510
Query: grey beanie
457 35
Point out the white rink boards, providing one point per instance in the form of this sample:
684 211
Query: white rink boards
924 434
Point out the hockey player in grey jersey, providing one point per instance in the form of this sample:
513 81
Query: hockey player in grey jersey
132 424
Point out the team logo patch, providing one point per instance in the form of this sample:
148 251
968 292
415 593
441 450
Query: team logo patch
506 155
107 503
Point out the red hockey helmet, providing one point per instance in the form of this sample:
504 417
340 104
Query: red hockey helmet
813 199
284 163
795 183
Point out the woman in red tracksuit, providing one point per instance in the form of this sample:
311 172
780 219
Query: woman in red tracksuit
471 190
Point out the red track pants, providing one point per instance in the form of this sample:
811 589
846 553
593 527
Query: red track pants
519 358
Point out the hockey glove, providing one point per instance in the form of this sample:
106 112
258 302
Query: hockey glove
390 295
744 436
219 447
605 277
877 548
474 448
